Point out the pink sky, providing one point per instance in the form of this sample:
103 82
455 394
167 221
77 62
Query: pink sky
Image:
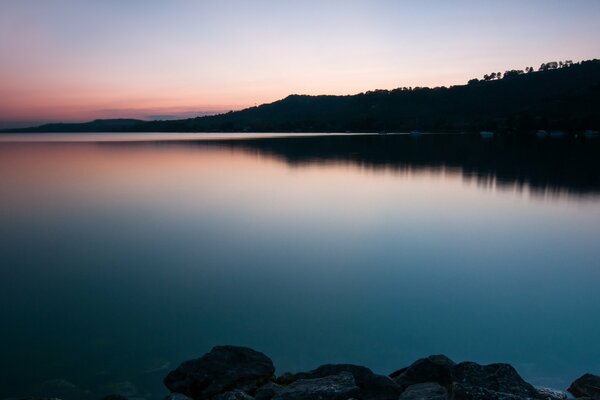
75 60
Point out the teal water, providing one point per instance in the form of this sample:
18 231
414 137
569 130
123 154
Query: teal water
121 257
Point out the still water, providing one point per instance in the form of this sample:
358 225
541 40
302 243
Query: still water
121 256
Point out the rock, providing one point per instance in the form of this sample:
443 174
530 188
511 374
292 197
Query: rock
550 394
223 369
234 395
268 391
371 386
489 382
587 385
335 387
436 368
425 391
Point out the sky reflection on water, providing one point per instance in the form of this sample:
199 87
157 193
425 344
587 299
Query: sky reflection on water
122 258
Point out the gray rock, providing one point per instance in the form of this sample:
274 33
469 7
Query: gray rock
550 394
480 393
425 391
489 382
334 387
223 369
436 368
268 391
371 386
587 385
234 395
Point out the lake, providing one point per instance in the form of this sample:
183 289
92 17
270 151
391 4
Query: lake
123 255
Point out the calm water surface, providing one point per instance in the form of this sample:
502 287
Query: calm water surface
119 258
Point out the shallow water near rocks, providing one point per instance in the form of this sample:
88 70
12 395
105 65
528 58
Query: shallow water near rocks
123 255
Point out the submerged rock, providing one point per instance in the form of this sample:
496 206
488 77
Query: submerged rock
425 391
223 369
334 387
436 368
587 385
371 385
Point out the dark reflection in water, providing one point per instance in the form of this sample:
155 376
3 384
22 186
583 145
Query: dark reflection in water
118 260
546 166
555 166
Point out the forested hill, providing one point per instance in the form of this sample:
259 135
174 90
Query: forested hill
565 97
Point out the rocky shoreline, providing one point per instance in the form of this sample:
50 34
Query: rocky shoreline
240 373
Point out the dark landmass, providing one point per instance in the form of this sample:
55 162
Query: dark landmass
240 373
99 125
558 96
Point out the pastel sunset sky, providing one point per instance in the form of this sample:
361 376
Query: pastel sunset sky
75 60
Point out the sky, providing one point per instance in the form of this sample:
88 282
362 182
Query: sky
77 60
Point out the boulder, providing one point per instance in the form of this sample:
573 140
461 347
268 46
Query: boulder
425 391
334 387
489 382
436 368
371 385
587 385
267 391
223 369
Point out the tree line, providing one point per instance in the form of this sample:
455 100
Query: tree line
548 66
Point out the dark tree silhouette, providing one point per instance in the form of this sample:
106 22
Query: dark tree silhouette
512 73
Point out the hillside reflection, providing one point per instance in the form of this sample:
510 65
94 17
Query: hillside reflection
565 166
